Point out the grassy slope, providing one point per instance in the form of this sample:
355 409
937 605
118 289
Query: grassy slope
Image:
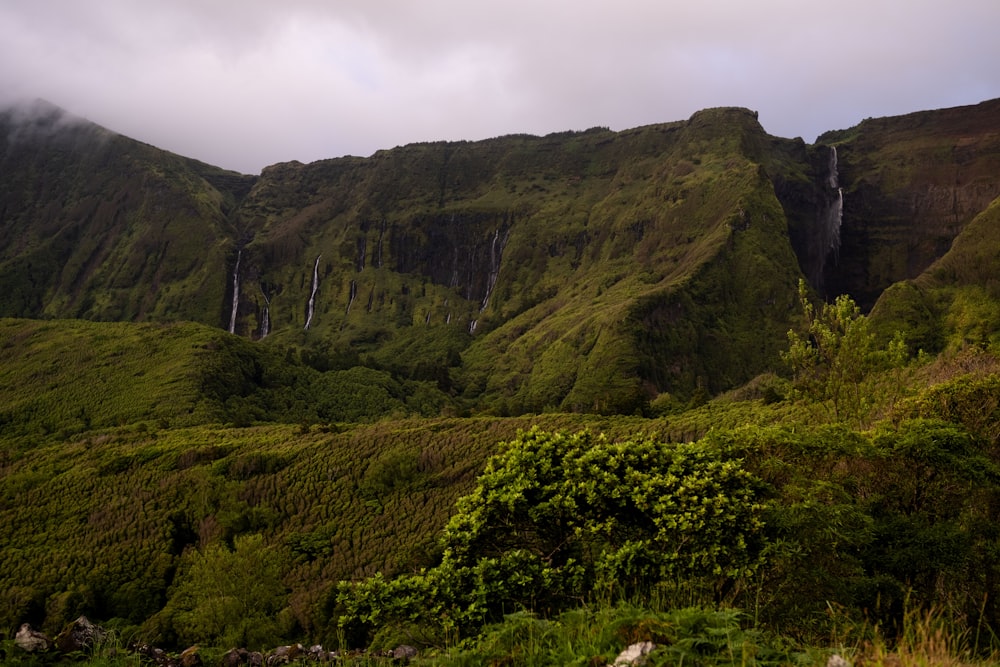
98 518
66 375
956 301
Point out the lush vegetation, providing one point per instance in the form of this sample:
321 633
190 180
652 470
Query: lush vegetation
827 527
548 404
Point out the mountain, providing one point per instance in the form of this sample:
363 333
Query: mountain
98 226
223 396
580 271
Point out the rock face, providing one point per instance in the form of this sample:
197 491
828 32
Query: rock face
911 185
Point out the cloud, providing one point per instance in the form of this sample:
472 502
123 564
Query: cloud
245 84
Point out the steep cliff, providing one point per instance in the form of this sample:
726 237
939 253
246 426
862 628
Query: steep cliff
552 262
582 271
910 184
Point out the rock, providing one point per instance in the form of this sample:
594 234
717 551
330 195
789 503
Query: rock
235 656
634 654
404 653
30 640
285 654
255 659
837 661
157 656
79 635
190 657
317 653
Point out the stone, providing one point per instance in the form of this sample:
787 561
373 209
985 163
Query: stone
155 655
285 654
30 640
79 635
190 657
837 661
234 657
634 654
404 653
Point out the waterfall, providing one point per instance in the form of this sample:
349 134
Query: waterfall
362 253
832 173
378 255
265 316
472 326
354 294
312 295
829 219
236 292
836 220
833 214
495 256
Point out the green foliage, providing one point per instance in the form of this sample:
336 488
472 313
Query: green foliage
226 597
837 361
556 518
690 636
90 375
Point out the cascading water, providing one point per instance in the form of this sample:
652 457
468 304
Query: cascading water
495 255
265 316
362 253
830 216
378 255
354 294
311 306
835 207
236 292
832 174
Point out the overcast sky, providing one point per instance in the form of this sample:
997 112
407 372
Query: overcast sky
245 83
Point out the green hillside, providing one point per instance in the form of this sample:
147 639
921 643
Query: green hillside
94 225
700 385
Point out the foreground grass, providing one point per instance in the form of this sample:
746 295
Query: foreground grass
594 637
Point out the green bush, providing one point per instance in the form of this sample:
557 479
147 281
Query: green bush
556 518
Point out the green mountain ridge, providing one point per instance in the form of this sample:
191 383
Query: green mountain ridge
661 259
638 284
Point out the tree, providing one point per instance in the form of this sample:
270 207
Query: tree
229 597
555 518
838 360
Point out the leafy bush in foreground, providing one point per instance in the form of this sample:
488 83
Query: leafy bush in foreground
555 519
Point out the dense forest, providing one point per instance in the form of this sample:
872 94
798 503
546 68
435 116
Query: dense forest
524 401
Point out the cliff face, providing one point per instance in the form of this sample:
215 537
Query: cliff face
554 257
911 185
581 270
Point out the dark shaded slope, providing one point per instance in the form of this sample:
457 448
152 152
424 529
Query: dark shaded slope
911 185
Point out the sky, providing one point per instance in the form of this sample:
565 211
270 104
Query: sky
246 83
